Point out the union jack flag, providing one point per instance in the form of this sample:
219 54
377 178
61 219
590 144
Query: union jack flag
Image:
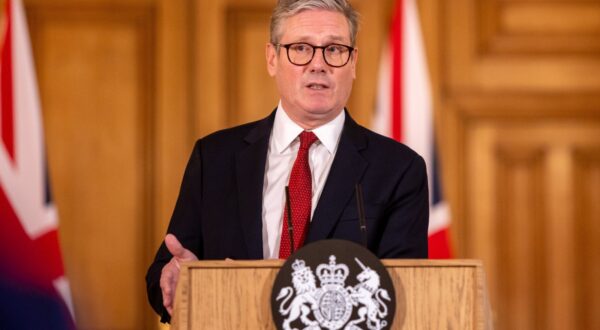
34 290
405 113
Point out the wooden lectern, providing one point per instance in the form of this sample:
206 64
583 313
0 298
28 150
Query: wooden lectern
430 294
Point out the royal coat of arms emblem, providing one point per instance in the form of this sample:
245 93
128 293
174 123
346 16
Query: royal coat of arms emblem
331 305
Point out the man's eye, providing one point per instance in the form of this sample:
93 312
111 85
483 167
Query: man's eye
301 48
334 49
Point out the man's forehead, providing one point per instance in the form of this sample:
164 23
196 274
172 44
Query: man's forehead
326 37
318 24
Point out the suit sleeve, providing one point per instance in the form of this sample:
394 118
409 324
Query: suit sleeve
405 233
185 225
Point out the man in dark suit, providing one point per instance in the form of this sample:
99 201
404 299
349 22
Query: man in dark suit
232 200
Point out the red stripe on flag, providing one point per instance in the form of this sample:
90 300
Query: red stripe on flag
439 245
6 93
27 271
397 49
36 262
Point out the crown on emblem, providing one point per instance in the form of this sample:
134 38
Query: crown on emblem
299 267
332 273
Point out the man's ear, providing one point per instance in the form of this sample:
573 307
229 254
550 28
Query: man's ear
271 55
353 61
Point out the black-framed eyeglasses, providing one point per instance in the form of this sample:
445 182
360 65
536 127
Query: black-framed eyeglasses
301 53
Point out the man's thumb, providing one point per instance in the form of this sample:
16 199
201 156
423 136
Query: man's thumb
177 250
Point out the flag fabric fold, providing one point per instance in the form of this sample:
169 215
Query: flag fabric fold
34 290
405 111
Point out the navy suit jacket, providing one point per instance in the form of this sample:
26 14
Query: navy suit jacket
218 213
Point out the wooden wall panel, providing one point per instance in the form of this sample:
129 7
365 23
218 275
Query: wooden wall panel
174 125
527 205
114 85
546 27
519 125
94 76
375 17
496 48
519 227
252 92
587 231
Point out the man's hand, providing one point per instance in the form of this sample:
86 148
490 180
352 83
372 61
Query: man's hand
170 272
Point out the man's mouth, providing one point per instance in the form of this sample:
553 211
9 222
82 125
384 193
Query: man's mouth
317 86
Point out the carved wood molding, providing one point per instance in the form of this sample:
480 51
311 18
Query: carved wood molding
540 27
507 46
524 106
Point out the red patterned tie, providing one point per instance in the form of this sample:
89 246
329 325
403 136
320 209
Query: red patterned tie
300 187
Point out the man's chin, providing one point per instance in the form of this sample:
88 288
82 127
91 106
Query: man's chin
319 107
323 115
319 112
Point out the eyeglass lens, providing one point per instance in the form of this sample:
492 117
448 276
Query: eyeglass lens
334 54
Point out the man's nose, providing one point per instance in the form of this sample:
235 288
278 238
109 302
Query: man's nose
318 62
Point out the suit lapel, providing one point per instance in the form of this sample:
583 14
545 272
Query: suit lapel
346 171
250 169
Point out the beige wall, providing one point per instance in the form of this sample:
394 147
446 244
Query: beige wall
128 85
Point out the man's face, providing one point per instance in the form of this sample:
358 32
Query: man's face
315 93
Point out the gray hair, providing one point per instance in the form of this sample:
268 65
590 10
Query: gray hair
288 8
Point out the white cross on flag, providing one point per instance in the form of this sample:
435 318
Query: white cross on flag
404 111
35 293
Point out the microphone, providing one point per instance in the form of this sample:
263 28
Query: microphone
289 219
361 213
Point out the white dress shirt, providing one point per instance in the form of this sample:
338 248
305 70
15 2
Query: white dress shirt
283 148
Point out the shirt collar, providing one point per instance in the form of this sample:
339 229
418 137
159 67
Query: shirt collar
285 131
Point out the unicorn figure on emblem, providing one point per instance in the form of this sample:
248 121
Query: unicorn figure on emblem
368 294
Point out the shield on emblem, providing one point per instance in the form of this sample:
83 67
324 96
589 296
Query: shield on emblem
334 307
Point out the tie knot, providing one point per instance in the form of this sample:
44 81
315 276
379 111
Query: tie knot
307 139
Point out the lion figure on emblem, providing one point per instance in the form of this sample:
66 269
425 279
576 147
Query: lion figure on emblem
305 286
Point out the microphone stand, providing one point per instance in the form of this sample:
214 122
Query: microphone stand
361 213
289 219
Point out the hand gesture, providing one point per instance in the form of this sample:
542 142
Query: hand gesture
170 272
